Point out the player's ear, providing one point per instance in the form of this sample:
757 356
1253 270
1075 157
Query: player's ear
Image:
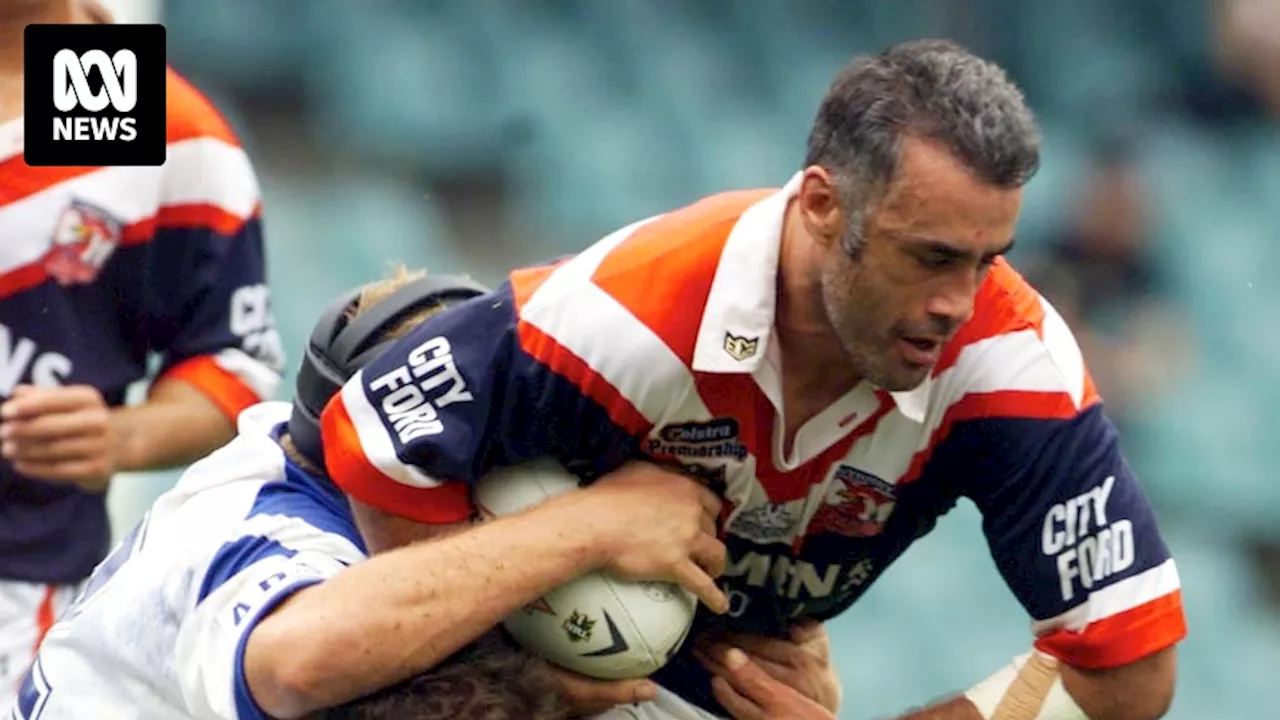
818 201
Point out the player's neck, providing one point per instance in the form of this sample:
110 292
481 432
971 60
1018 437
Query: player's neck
17 16
810 348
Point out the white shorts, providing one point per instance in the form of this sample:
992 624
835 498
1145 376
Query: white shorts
27 611
667 706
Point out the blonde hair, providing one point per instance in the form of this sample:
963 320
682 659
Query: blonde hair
370 295
376 292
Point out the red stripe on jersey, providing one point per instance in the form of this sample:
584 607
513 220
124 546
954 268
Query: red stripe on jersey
19 180
213 217
999 404
1005 303
732 395
187 217
22 279
559 360
1122 638
349 468
683 247
44 616
225 389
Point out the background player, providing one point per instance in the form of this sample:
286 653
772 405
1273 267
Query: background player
101 269
845 358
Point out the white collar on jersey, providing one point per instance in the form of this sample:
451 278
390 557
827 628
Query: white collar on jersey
737 321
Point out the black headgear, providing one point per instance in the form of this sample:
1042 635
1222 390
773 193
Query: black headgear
338 349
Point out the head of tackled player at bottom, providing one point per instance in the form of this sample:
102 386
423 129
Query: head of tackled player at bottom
491 679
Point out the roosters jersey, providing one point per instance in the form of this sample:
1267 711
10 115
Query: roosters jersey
159 631
101 269
659 342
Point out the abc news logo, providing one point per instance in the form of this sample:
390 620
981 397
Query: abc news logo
94 95
71 90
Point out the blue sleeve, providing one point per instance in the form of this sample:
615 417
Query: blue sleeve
1071 532
277 554
209 308
470 389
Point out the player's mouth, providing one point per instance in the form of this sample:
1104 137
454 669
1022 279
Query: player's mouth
921 351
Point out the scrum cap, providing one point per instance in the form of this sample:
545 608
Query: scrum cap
338 349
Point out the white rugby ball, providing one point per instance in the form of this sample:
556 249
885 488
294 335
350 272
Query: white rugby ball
596 625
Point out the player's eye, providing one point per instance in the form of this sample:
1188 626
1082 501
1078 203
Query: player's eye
936 259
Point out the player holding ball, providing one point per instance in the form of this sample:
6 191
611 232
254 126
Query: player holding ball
841 360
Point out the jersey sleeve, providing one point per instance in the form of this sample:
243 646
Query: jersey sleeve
1066 519
472 388
275 556
209 306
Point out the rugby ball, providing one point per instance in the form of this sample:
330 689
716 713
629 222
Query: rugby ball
596 625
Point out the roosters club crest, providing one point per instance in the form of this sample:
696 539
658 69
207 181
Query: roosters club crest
83 240
858 504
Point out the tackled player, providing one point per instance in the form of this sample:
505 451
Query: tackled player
245 594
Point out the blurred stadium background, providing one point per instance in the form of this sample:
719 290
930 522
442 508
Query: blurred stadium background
474 135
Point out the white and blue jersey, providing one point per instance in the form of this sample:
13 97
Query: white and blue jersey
161 626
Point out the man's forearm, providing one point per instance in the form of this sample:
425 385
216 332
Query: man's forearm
1139 690
406 610
176 425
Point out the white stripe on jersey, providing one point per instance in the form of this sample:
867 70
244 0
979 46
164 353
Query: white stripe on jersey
208 171
1025 363
199 171
635 361
1063 350
375 441
261 379
1116 598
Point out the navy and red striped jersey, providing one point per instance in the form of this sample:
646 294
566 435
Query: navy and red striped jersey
659 342
103 268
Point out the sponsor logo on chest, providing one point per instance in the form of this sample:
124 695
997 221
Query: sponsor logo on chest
844 497
716 438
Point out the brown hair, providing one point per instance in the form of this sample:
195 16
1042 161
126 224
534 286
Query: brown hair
371 295
491 679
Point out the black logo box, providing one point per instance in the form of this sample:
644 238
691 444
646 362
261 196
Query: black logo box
41 43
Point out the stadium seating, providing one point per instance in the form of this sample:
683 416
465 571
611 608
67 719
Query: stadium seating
598 113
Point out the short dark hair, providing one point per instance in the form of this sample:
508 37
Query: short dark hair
931 89
491 679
